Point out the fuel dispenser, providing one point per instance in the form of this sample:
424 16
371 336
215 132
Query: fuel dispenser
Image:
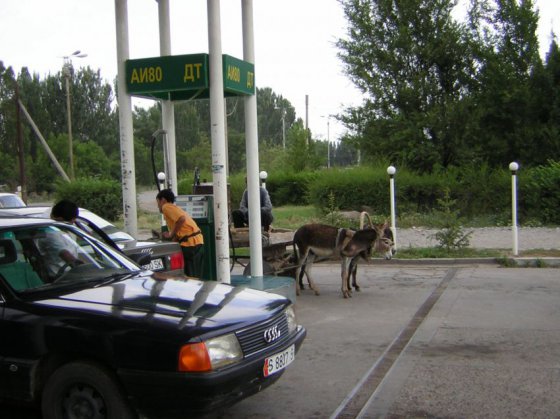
201 209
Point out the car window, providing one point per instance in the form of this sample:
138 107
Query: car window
47 255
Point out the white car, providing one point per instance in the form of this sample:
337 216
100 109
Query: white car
10 200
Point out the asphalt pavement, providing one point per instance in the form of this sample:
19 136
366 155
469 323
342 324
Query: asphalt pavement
423 341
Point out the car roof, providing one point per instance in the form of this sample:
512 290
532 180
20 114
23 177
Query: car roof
10 220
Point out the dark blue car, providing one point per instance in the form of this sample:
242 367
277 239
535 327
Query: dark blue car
86 333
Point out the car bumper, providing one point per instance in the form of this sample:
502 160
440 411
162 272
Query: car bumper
157 393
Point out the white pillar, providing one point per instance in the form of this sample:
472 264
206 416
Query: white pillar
391 172
125 122
252 147
217 132
167 106
513 167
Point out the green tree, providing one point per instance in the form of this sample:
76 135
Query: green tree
412 61
507 46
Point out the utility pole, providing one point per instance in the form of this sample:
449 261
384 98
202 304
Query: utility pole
67 71
22 180
307 118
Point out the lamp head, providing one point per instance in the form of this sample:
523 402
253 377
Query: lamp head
263 175
513 167
391 170
161 176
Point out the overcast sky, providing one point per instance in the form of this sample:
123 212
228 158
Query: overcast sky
294 42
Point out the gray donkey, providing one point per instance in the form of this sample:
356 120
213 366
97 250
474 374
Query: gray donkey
324 241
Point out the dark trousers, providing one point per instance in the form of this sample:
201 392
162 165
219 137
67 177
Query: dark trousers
193 256
240 220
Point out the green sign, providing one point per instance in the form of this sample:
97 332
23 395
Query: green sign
172 77
181 77
239 76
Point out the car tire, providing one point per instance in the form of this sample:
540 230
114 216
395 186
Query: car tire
83 390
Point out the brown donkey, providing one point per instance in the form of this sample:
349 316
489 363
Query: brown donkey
325 241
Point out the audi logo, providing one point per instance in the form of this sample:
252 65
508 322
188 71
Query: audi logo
271 334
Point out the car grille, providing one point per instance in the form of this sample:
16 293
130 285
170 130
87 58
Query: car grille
252 340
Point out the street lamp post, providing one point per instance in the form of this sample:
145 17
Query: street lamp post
67 70
513 167
263 175
391 170
328 143
328 117
283 109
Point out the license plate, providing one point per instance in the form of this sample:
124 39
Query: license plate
154 265
279 361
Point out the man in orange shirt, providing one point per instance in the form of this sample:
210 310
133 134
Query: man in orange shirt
183 229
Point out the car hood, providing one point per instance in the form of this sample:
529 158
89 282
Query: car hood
174 302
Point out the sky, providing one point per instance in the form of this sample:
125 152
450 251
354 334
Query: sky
295 51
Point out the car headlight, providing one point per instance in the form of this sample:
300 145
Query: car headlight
210 355
291 318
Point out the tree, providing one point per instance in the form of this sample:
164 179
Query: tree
504 32
411 60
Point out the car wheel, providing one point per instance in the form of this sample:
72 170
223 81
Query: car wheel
82 390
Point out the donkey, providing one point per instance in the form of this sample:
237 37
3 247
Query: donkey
312 240
383 245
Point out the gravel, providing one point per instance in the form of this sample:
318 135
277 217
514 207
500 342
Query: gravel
482 238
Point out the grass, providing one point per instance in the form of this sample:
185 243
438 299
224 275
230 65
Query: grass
291 216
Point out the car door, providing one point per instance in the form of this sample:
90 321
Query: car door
17 344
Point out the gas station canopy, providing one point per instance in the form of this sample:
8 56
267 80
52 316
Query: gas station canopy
184 77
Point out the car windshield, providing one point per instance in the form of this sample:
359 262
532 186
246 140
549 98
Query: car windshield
45 256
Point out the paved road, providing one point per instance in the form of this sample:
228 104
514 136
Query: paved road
424 341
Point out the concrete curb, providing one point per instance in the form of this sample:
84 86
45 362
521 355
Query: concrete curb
522 262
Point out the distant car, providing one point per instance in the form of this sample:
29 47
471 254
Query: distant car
10 200
95 336
155 256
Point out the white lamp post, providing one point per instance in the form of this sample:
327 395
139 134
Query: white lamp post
391 170
513 167
161 180
263 175
67 71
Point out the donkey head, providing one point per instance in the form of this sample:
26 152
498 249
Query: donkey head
384 243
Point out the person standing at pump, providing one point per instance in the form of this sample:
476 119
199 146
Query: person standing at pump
184 230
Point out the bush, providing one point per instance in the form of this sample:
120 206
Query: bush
477 191
103 197
290 188
354 189
539 193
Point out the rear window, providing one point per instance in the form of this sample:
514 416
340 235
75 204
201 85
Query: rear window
11 201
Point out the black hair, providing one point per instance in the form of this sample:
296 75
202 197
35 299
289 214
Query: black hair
67 210
166 194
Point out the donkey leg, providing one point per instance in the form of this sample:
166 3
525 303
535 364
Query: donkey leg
307 269
301 257
345 266
354 272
